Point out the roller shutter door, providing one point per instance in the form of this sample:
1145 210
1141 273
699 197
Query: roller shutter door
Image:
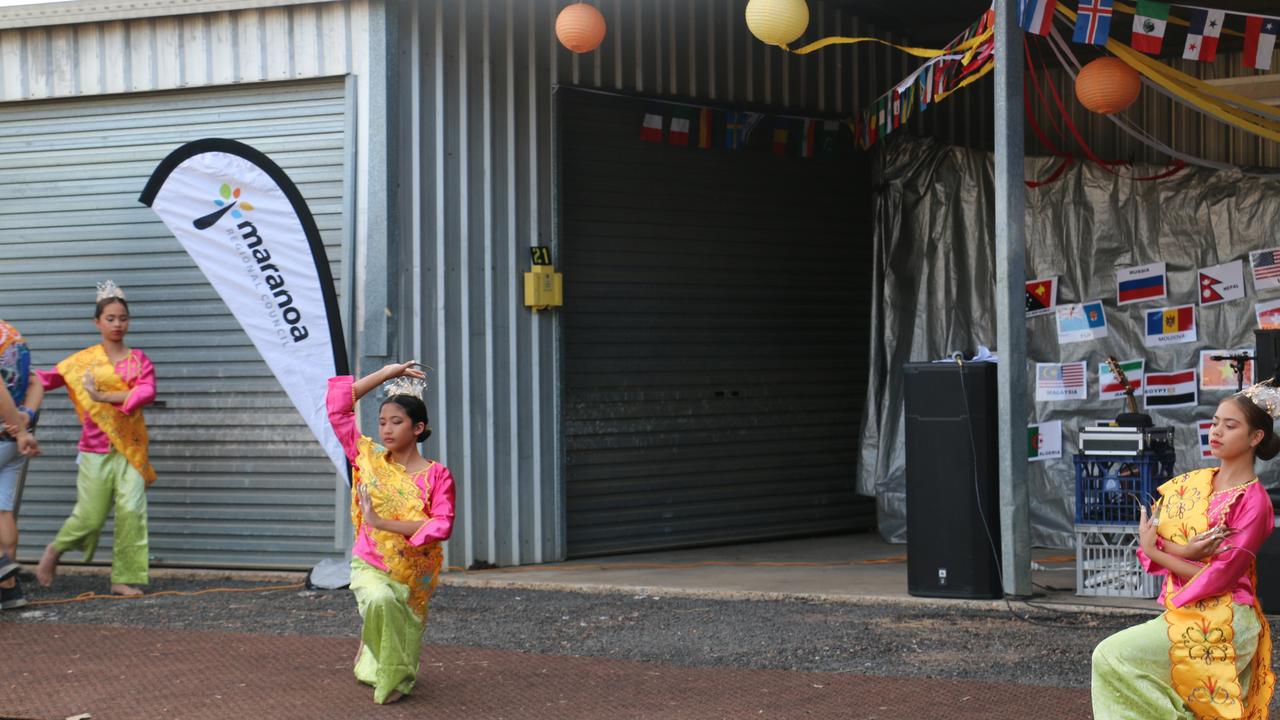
715 337
242 482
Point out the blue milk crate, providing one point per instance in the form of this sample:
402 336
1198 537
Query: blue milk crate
1106 486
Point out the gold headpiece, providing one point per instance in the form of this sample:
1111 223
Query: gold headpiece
1266 396
406 385
108 289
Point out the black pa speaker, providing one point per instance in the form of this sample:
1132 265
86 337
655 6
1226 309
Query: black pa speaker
1266 354
953 484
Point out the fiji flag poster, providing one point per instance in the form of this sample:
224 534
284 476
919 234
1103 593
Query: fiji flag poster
1168 326
1080 322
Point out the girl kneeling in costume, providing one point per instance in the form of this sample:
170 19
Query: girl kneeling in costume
402 510
1209 654
109 384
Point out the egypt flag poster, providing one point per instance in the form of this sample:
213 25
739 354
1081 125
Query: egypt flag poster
1042 296
1044 441
1171 390
1221 283
1203 427
1110 387
1218 374
1168 326
1140 283
1268 314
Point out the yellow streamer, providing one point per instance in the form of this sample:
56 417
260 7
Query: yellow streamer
1194 90
916 51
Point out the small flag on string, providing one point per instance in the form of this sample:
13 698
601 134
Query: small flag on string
882 114
781 136
1044 441
1266 268
1149 20
1110 387
827 137
809 139
1042 296
1169 390
1037 16
1221 283
1259 41
735 125
1066 381
1167 326
1202 37
651 131
681 122
1205 427
706 127
1093 22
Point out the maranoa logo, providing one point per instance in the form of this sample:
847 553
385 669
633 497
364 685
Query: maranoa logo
256 254
227 202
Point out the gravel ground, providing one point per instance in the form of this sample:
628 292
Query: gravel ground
882 639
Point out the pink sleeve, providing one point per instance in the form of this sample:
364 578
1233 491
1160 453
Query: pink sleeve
51 379
144 390
1153 568
1253 518
440 525
342 414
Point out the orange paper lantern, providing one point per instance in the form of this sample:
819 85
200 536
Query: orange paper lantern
580 27
1107 85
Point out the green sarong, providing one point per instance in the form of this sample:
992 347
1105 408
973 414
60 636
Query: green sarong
104 480
391 638
1132 673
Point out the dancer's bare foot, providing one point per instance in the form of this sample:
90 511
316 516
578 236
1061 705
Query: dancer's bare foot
394 696
48 566
122 589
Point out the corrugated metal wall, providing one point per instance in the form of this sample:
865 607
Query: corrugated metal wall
480 190
164 53
242 480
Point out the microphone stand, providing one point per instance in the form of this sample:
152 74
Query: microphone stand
1239 361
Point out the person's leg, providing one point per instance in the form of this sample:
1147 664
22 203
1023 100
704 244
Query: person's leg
391 635
1132 676
129 563
11 464
82 530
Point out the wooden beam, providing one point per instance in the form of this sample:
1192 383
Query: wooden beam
1263 88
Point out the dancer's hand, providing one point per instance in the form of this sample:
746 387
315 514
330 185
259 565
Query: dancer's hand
1207 543
371 517
1146 530
395 370
91 387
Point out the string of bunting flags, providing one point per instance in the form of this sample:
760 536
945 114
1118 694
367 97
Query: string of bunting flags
1161 324
1093 20
682 125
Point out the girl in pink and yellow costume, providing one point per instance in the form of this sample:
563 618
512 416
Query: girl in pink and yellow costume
402 510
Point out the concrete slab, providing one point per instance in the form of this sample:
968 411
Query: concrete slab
842 568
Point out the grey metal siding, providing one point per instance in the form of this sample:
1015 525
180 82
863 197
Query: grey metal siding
241 479
479 189
715 335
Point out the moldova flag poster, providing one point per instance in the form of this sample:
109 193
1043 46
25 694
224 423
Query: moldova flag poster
1140 283
1172 325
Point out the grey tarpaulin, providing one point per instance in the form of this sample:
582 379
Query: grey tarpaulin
934 293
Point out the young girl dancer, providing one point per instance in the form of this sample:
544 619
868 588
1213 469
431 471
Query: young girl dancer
109 384
402 510
1208 655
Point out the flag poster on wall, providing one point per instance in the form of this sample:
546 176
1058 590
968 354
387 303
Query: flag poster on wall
248 229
